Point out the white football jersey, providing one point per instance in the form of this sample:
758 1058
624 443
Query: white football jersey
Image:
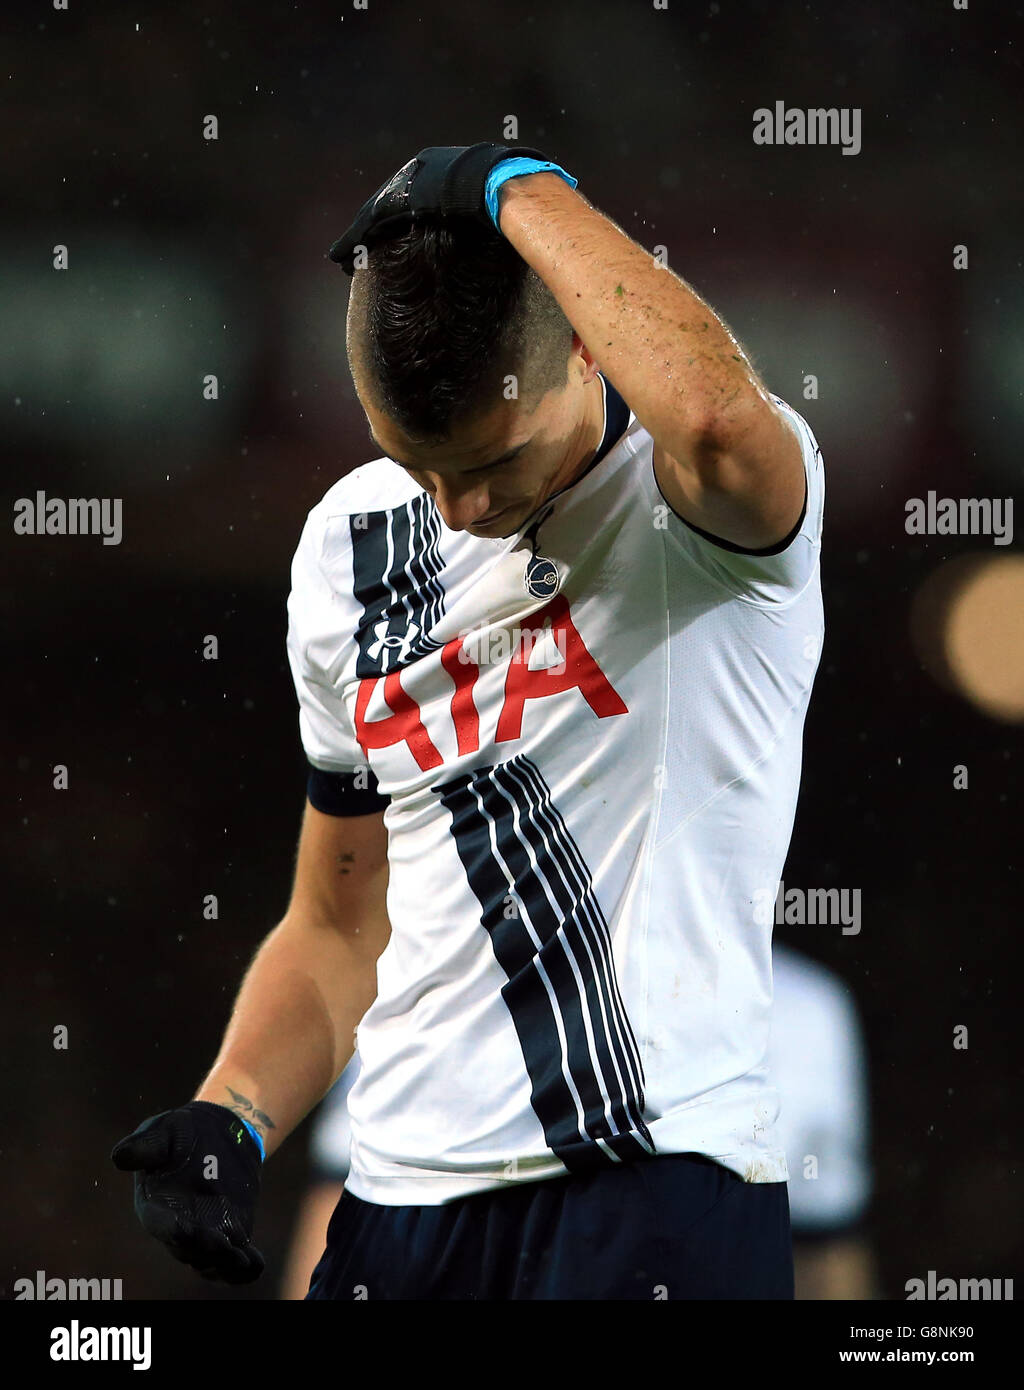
588 740
816 1058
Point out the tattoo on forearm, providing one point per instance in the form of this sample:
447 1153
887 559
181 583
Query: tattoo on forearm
243 1106
344 860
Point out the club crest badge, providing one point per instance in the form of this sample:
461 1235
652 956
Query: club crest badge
541 577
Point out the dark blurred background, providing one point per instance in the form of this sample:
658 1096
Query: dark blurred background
190 257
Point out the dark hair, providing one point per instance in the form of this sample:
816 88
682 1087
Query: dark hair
440 315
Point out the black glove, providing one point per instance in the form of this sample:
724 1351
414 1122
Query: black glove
204 1221
441 181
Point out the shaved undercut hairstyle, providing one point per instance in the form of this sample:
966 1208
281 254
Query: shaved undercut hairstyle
440 316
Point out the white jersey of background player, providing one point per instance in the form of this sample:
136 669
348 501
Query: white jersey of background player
580 823
816 1057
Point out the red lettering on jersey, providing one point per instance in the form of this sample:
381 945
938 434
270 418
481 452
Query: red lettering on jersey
579 671
403 725
465 674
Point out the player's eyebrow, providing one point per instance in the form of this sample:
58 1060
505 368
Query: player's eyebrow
478 469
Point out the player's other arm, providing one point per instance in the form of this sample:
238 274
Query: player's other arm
725 457
292 1030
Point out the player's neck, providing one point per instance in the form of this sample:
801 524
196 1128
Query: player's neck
589 438
592 432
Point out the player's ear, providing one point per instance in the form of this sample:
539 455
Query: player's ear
580 350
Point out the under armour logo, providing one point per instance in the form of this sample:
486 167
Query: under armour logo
391 649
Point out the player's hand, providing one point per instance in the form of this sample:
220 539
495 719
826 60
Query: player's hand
197 1177
441 181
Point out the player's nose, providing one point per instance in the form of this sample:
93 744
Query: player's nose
461 507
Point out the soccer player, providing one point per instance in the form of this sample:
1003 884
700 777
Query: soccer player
553 651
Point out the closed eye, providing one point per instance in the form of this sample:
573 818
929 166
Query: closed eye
489 467
468 472
499 463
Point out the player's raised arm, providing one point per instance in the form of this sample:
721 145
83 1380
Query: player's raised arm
291 1033
725 458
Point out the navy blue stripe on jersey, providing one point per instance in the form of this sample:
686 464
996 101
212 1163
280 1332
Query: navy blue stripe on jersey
396 566
579 886
426 557
572 888
551 939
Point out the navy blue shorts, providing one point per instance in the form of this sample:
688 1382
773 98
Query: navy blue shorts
669 1227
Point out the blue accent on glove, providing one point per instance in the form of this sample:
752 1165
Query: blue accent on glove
508 169
258 1137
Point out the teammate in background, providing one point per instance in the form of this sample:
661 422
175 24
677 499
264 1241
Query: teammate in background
816 1057
553 650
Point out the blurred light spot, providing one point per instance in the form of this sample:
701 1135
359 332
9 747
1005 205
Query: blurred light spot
967 624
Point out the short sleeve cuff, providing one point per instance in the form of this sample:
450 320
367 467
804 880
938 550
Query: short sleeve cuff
345 793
